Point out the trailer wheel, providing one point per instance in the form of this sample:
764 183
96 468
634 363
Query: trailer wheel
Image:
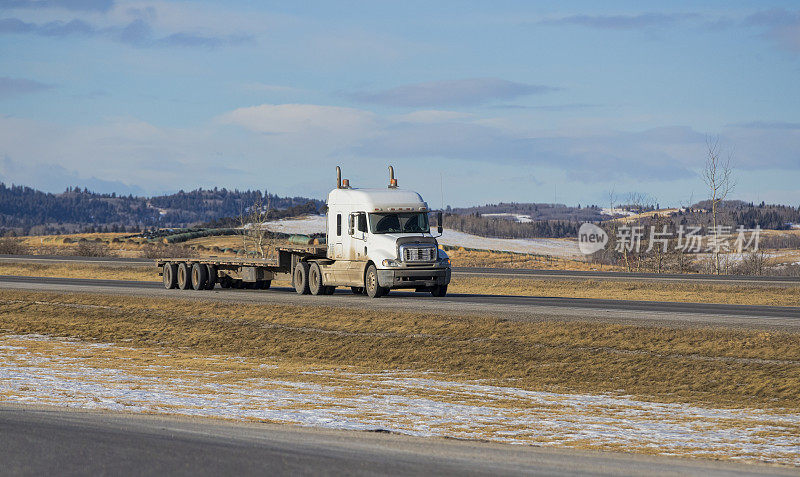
439 290
374 290
237 284
170 274
199 276
184 276
300 278
212 277
357 290
315 285
225 282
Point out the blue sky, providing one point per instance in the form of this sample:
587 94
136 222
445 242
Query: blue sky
474 102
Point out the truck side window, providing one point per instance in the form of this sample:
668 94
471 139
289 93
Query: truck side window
339 225
362 222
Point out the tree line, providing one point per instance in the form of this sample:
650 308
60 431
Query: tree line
503 228
25 209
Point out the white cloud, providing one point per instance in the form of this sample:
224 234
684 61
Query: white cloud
302 119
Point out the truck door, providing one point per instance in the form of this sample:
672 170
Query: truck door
336 235
354 240
357 231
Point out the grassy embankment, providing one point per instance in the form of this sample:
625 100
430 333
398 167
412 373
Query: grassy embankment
728 368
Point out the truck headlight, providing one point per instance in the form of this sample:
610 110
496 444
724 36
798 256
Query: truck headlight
443 259
390 263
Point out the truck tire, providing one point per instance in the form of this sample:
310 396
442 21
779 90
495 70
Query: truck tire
265 284
330 290
439 290
184 276
357 290
212 277
300 278
170 274
225 282
199 276
315 285
374 290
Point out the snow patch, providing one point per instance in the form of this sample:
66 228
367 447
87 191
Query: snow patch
616 211
416 404
521 218
311 224
563 248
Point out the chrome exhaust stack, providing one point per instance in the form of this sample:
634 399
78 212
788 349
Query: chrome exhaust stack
392 180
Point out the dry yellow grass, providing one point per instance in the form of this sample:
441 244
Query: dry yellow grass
68 244
723 367
644 215
223 241
461 257
81 270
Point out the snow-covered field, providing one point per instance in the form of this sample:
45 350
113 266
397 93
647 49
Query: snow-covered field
521 218
38 369
616 211
562 248
310 224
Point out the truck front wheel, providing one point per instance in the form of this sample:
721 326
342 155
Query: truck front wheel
439 290
300 278
374 290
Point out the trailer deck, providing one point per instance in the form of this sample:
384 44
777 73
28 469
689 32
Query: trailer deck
203 273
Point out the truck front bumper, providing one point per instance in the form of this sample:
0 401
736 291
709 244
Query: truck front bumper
413 277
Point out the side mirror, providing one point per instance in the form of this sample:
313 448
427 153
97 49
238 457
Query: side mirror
440 228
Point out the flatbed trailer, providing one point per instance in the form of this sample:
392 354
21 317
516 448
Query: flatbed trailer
204 273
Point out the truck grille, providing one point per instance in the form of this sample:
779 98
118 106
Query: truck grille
419 254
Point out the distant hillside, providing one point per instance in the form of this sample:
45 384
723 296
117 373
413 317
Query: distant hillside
515 220
534 211
26 210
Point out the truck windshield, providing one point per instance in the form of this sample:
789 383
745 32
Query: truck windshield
403 222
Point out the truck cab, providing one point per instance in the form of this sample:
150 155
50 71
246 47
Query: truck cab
380 239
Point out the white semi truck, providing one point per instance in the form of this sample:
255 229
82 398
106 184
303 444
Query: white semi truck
376 240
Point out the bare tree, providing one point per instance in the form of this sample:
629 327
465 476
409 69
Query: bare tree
718 177
256 236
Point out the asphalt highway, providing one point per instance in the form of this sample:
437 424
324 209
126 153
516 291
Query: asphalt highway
482 272
39 440
526 308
